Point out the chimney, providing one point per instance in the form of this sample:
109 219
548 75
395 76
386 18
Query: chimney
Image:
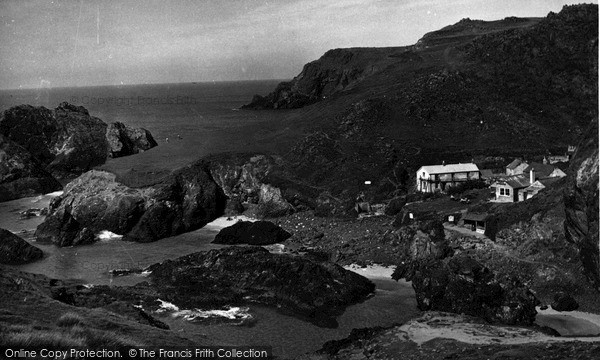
531 176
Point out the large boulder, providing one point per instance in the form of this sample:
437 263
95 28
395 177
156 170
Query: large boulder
564 302
581 204
185 200
16 251
252 233
21 174
319 291
462 285
124 140
271 202
68 141
423 240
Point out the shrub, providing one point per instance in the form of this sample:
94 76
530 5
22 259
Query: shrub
30 338
69 319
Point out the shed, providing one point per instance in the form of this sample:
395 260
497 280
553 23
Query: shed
476 221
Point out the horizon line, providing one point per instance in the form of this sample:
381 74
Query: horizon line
125 85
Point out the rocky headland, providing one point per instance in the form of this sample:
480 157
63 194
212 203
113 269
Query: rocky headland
41 145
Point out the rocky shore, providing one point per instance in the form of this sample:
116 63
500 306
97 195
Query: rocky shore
395 109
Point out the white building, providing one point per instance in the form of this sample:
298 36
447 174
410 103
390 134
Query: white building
438 177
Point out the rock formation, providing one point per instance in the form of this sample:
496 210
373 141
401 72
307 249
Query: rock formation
185 200
16 251
21 174
581 203
564 302
244 178
319 291
462 285
68 141
124 140
251 233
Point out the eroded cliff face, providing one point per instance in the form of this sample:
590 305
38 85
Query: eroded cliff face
335 71
68 141
581 203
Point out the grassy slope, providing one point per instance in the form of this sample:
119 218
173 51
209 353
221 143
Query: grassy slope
30 317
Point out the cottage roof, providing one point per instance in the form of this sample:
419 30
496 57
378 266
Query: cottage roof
541 170
515 181
543 183
475 216
449 168
514 164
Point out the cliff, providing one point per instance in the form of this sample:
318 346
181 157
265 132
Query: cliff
581 204
335 71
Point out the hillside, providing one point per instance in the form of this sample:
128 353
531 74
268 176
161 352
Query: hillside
487 91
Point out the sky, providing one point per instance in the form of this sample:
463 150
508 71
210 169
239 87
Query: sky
60 43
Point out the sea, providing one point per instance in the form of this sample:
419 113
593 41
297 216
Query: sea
188 121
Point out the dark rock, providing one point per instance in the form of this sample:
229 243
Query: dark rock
318 291
65 106
84 237
59 227
356 337
544 307
314 291
21 174
581 204
423 240
271 203
126 309
395 206
34 128
68 141
124 140
244 178
564 302
241 176
252 233
16 251
185 200
233 207
461 284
